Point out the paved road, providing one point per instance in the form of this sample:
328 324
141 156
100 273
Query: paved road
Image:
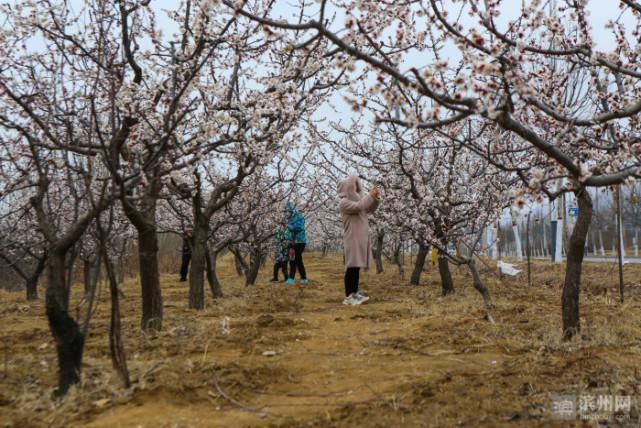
614 260
634 260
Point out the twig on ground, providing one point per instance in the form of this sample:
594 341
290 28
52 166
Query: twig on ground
202 363
238 403
152 370
341 393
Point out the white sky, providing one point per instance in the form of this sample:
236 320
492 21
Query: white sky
601 11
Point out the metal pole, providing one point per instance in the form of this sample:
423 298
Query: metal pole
498 238
620 241
527 249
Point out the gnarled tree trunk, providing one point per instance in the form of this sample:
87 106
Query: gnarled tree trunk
251 273
572 284
66 332
144 220
212 278
150 279
120 274
397 258
116 345
32 288
378 251
91 273
421 255
198 264
481 288
70 260
239 263
447 284
32 280
198 255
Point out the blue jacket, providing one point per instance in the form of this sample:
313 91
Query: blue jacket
296 226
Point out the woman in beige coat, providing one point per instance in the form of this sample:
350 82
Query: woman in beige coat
354 206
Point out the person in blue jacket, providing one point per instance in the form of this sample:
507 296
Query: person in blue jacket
297 241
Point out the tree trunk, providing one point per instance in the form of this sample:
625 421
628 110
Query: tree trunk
198 265
121 262
150 279
65 330
32 288
212 278
378 251
70 259
91 272
239 263
396 255
572 285
251 273
421 255
397 259
32 281
481 288
116 345
144 220
447 283
87 274
121 270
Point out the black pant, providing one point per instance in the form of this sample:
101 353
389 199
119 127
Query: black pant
184 267
278 266
297 263
351 280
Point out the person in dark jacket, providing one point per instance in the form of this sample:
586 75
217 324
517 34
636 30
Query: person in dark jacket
186 258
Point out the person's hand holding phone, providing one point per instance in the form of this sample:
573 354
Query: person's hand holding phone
375 192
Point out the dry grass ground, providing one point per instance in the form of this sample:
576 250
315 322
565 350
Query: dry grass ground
275 355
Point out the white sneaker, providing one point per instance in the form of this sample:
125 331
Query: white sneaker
352 300
361 296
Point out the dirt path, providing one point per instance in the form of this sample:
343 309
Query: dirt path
288 356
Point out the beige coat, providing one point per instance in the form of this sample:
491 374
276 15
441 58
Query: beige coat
354 206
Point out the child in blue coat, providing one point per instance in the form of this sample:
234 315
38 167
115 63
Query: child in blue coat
297 242
281 255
